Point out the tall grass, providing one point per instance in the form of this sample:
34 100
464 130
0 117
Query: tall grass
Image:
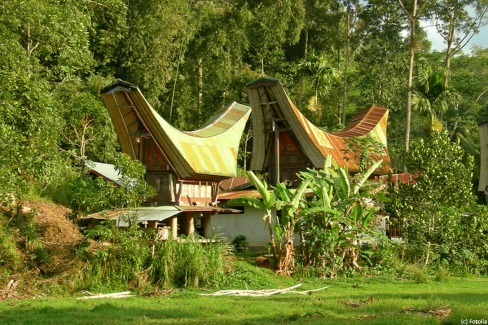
189 264
132 260
10 255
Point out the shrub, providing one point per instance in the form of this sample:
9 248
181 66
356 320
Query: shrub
133 259
240 243
440 222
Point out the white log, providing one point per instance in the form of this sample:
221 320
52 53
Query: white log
116 295
259 293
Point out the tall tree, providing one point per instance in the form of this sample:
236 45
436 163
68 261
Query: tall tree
432 95
212 73
43 44
457 21
149 51
412 18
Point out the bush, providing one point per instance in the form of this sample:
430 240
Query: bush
134 260
240 243
440 221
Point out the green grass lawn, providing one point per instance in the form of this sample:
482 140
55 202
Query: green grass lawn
374 300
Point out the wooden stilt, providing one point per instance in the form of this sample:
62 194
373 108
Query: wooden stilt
207 226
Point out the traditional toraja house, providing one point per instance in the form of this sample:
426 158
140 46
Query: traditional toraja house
483 185
285 142
185 168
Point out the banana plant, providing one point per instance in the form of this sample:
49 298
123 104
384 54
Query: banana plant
336 217
290 203
281 208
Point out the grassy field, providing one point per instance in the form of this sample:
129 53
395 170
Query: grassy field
367 300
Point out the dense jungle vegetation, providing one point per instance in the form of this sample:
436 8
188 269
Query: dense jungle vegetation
190 58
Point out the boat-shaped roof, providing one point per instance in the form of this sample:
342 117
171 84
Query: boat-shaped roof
209 153
271 107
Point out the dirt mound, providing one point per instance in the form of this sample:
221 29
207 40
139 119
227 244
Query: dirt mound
51 223
46 240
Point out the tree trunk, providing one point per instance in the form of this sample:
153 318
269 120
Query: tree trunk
346 66
305 53
200 88
272 241
413 20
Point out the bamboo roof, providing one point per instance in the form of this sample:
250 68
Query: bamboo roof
273 108
209 153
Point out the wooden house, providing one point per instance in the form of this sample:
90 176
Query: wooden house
285 142
185 167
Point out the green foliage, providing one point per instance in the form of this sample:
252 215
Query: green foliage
282 208
438 216
431 94
89 195
151 37
189 264
365 150
337 219
240 243
442 171
10 255
87 129
133 260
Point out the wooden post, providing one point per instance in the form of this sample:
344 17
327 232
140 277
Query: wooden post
189 224
207 226
277 151
152 224
173 223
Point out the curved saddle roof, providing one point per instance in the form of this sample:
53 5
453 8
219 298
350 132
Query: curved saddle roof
273 108
209 153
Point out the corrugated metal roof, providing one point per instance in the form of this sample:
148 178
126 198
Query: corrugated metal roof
209 153
269 100
107 171
142 214
193 209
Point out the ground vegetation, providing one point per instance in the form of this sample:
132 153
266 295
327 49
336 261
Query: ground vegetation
192 58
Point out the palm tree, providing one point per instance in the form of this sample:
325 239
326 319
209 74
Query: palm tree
318 70
432 95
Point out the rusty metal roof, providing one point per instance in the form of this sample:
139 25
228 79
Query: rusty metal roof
270 103
233 183
240 193
209 153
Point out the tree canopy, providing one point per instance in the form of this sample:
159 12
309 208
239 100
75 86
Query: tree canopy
190 58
